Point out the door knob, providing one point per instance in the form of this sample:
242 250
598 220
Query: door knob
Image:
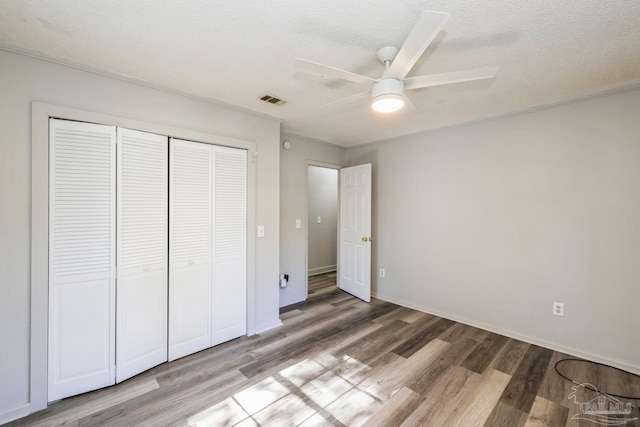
364 239
367 239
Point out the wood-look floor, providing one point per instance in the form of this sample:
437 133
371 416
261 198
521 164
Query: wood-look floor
338 361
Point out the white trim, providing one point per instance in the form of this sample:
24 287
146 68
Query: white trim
41 112
261 329
39 325
507 333
322 270
15 413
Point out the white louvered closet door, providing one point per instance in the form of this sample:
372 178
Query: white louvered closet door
229 284
81 257
142 236
190 247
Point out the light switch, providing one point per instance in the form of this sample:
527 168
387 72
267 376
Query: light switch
261 231
319 220
298 224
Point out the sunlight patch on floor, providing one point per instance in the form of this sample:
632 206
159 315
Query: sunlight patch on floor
310 392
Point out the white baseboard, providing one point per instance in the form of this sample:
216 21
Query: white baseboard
322 270
265 328
511 334
15 413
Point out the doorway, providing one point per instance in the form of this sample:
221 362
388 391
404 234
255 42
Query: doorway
322 219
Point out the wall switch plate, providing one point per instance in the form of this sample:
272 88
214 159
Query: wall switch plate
298 223
558 308
382 272
319 220
261 231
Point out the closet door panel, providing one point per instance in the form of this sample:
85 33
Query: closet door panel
141 335
229 314
229 285
190 213
190 308
81 257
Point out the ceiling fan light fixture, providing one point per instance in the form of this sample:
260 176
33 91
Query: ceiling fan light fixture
387 103
386 95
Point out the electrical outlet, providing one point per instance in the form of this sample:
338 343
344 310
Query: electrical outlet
382 272
558 308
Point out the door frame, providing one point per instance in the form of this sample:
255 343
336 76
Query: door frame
306 213
39 300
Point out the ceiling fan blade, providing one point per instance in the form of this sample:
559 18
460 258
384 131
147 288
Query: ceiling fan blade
348 100
423 33
451 77
408 105
326 71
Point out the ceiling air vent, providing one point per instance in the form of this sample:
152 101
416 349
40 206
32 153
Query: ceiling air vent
272 100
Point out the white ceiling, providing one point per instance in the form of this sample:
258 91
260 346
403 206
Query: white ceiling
237 50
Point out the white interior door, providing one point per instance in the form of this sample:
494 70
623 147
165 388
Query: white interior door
82 228
230 249
190 247
141 305
355 231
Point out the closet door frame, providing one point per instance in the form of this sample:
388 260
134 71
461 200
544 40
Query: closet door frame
39 325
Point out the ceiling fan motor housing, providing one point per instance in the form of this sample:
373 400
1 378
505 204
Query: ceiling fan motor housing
387 86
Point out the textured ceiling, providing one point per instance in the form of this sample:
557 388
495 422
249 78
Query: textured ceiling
235 51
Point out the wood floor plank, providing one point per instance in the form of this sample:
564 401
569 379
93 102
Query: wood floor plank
508 359
552 386
291 408
298 347
523 387
447 396
226 413
506 415
65 413
375 344
306 370
422 381
354 407
405 314
396 410
422 336
484 353
545 413
383 381
189 374
384 377
478 409
302 322
166 403
284 316
460 331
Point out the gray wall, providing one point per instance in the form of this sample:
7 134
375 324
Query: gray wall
490 223
26 79
322 201
293 189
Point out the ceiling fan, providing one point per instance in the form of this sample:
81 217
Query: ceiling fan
388 92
